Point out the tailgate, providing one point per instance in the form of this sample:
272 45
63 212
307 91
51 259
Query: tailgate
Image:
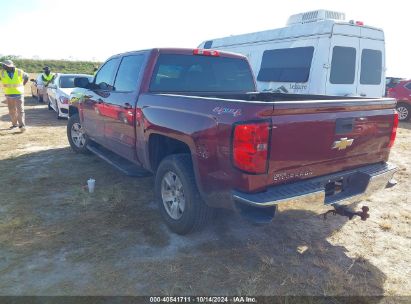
314 138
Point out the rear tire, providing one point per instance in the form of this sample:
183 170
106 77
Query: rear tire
76 135
404 111
177 195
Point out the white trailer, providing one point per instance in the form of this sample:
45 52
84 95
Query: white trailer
317 52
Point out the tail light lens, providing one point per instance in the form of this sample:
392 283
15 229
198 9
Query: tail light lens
394 130
250 147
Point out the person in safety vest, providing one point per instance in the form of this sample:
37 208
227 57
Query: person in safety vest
47 77
13 81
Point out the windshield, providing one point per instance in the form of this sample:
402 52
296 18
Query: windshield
190 73
67 82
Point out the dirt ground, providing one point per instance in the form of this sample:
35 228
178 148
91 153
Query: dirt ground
56 239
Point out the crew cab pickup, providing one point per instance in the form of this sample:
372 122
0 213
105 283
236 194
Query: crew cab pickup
193 118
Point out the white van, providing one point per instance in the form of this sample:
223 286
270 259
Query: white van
316 53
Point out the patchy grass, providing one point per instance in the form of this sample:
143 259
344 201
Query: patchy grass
58 239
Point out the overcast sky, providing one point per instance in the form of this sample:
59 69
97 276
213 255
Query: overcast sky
95 30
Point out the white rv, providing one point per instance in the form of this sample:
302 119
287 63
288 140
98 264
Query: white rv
316 53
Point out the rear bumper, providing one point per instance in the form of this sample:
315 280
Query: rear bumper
356 185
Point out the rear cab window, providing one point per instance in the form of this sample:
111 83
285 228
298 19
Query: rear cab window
192 73
286 65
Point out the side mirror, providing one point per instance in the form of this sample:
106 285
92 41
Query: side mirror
81 82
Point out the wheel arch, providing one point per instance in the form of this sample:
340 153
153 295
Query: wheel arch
72 110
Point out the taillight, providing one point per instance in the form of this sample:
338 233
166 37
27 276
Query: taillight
206 52
250 147
64 100
394 130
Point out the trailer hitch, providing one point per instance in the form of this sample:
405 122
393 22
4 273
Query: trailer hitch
345 211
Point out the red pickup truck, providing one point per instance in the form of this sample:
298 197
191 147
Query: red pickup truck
194 119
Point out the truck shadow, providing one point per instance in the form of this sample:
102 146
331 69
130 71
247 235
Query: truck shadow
114 241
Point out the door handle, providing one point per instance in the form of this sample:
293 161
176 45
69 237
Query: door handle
363 94
127 106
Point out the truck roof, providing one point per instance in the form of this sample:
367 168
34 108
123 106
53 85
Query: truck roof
182 51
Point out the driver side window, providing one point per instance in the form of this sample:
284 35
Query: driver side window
105 77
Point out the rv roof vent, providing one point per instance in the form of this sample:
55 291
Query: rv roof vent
315 16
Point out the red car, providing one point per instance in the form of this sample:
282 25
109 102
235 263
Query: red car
402 92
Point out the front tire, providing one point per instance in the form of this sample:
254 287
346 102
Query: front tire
177 195
76 135
403 111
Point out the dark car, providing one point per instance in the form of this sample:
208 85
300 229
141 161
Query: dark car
193 119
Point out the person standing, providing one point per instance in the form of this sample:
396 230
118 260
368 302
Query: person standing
47 77
13 81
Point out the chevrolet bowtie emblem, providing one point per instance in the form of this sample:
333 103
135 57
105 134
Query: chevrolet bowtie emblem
342 144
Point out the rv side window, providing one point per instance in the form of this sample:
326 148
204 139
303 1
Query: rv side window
371 67
286 65
343 65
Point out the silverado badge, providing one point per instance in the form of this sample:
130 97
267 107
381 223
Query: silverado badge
342 144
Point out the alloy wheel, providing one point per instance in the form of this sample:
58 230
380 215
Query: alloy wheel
172 194
77 135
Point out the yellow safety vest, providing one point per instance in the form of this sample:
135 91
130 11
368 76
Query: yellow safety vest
47 78
13 86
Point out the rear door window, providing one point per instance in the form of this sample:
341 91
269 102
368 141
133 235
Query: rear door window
286 65
192 73
343 65
128 73
105 77
408 86
371 66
